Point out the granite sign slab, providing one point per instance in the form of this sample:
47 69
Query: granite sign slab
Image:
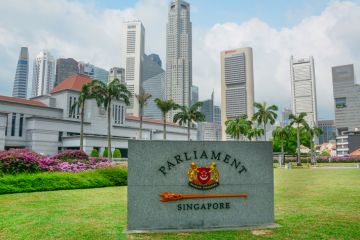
175 185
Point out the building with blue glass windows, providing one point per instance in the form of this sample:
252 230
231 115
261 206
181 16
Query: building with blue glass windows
21 75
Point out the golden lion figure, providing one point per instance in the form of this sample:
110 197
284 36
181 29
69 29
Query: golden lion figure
192 172
215 173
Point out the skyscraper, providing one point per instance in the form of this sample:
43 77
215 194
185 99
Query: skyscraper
116 72
328 131
101 74
65 67
237 85
194 94
178 54
87 69
303 88
43 74
154 84
217 115
21 75
208 109
132 60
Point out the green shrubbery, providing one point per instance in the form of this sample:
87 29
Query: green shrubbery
106 153
117 153
112 176
94 153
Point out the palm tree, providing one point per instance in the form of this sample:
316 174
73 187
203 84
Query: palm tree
282 133
187 115
237 127
104 94
265 114
165 106
85 93
312 132
255 132
298 120
142 99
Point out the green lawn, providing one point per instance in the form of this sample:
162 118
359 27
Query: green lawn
309 204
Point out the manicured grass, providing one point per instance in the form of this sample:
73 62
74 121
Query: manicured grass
309 204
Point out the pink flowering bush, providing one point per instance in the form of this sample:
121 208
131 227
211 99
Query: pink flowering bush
24 160
349 159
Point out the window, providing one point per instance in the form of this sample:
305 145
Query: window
21 124
60 136
340 102
13 121
70 105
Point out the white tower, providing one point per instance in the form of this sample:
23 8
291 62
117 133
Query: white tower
43 74
178 54
132 61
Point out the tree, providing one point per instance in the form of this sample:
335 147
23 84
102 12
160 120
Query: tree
312 132
85 93
142 99
255 133
283 134
265 114
165 106
298 120
238 127
187 115
104 94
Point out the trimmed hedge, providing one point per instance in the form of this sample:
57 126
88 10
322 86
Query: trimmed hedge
50 181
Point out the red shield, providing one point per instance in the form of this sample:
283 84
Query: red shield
203 174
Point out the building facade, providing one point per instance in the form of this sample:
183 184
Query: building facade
154 84
217 115
101 74
237 85
47 124
65 67
194 94
329 131
133 45
208 109
43 74
209 131
116 72
178 55
285 114
22 74
303 88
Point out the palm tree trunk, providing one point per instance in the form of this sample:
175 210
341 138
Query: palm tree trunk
188 131
298 144
164 117
140 130
82 127
282 152
265 131
109 132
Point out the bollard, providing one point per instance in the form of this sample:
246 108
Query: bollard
289 165
358 165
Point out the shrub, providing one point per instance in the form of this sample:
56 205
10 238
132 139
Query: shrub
117 153
50 181
71 156
106 152
94 153
19 161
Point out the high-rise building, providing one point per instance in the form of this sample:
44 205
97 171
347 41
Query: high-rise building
209 131
43 74
217 115
208 109
132 60
178 55
194 94
87 69
285 117
65 67
303 88
21 75
101 74
237 85
155 58
154 84
329 131
116 72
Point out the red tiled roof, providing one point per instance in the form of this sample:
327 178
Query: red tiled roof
74 82
151 120
356 152
22 100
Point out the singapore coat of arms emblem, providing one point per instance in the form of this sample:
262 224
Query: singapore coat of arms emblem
203 178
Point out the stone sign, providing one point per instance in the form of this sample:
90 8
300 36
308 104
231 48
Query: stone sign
174 185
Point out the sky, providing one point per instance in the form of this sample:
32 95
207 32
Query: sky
90 31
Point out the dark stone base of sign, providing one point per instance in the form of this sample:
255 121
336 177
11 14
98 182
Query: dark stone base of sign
257 227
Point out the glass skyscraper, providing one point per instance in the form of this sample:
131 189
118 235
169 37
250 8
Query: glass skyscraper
21 75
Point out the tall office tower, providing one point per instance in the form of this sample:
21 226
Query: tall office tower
178 54
194 94
347 99
43 74
87 69
155 58
303 88
208 109
65 67
237 85
21 75
217 115
154 84
101 74
116 72
132 60
328 131
285 117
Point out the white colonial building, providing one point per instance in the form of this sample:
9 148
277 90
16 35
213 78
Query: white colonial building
46 124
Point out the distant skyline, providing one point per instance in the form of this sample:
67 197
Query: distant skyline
275 30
